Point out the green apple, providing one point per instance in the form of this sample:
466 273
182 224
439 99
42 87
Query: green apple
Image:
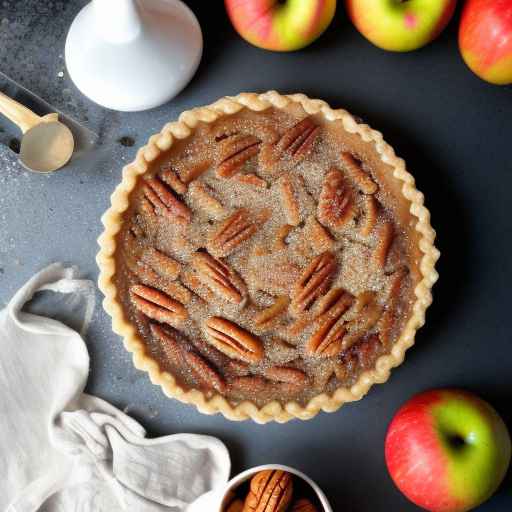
400 25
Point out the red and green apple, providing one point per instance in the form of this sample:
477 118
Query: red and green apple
280 25
447 450
485 39
400 25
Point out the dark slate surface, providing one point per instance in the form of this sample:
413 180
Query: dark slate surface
454 131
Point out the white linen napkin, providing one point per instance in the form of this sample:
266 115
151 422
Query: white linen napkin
62 450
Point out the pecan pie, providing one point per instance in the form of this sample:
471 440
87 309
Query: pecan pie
267 257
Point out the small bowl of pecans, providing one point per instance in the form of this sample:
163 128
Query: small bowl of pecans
273 488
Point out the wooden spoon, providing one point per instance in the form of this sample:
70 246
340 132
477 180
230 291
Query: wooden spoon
47 144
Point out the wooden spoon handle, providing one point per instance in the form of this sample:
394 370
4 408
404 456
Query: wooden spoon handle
18 113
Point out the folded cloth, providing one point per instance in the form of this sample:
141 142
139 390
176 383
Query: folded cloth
62 450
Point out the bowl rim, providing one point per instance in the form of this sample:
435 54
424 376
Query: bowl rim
248 473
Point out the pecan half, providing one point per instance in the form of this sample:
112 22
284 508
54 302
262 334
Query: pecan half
303 505
161 278
160 263
233 341
202 195
237 368
333 304
231 233
192 171
314 281
170 177
146 207
361 355
164 201
234 151
177 291
369 313
289 201
143 272
182 355
266 317
270 491
387 320
251 179
296 328
384 240
290 380
327 340
363 181
192 282
371 209
298 141
157 305
247 385
219 277
336 202
137 229
316 236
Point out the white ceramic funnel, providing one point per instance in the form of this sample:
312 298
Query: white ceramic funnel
133 55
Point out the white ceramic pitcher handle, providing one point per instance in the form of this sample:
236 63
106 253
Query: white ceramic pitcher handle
118 21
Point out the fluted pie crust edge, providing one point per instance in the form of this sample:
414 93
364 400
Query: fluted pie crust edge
273 411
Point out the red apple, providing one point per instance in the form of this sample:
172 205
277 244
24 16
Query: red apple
485 39
280 25
447 450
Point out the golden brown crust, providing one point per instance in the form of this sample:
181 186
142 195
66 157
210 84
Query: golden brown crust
273 411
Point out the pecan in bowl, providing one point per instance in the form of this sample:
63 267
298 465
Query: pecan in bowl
272 488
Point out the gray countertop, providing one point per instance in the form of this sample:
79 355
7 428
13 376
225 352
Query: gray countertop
454 131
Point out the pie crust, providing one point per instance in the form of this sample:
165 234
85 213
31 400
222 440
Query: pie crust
273 411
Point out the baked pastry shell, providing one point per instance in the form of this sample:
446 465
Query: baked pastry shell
272 411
